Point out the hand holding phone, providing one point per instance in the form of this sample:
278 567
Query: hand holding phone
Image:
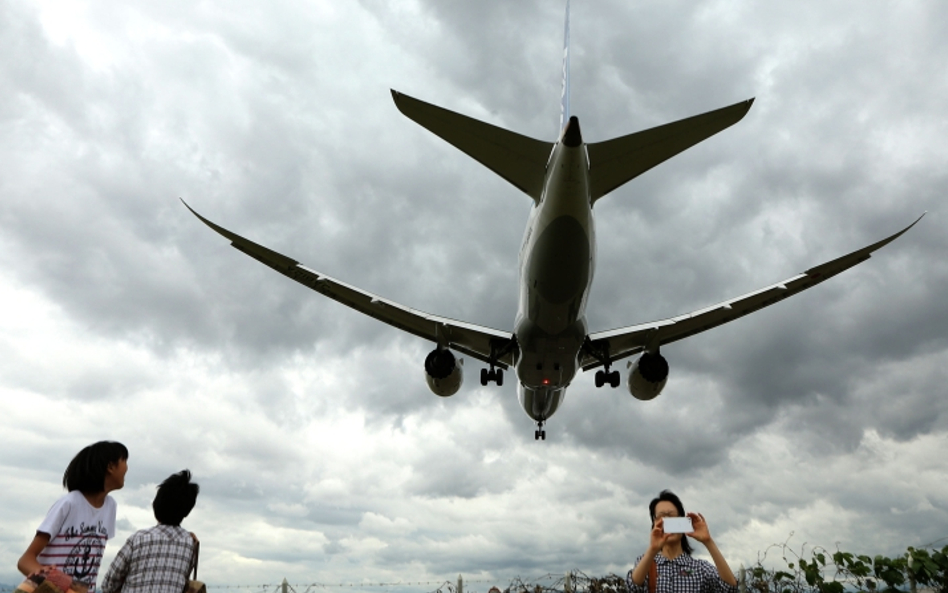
677 525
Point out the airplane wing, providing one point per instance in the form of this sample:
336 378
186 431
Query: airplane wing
619 343
474 340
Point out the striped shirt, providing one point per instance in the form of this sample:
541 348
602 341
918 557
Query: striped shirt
77 533
153 560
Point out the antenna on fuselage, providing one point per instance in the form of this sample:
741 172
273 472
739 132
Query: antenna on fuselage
564 98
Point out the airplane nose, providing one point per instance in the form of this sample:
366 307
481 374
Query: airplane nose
572 137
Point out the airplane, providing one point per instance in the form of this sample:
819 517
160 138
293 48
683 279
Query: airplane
550 341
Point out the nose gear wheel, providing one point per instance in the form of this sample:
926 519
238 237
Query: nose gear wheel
539 434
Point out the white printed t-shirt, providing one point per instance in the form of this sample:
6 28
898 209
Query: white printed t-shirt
77 535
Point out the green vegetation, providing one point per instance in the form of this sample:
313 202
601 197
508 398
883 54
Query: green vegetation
837 572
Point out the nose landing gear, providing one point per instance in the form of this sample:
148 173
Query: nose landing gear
539 434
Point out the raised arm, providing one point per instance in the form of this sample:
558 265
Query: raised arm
703 535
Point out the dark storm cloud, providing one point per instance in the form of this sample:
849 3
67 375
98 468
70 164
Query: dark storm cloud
311 426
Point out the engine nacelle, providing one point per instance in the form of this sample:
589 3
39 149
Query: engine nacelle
647 376
443 372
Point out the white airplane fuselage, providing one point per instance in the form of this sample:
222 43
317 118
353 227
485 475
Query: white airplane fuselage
557 262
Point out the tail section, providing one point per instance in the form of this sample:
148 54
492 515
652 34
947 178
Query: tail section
614 162
522 160
564 98
517 158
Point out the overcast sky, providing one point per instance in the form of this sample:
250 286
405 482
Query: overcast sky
321 454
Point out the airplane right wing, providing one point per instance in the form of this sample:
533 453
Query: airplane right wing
616 161
619 343
476 341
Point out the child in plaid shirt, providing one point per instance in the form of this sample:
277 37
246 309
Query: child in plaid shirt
158 559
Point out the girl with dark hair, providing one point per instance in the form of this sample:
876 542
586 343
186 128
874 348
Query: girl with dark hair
667 565
68 544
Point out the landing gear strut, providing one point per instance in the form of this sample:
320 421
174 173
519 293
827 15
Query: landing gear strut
604 376
601 352
539 434
495 375
498 349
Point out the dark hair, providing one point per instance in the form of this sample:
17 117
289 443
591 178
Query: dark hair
669 496
175 499
87 470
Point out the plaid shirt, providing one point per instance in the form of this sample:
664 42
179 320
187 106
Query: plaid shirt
153 560
683 575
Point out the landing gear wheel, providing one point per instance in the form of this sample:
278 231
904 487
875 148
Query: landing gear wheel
539 434
600 379
614 379
495 375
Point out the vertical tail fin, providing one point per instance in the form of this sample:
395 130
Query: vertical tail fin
564 99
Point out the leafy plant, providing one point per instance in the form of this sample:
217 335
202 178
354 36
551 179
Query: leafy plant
818 571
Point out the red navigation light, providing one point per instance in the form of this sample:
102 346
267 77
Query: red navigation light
546 381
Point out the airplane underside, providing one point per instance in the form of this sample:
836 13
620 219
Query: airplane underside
550 342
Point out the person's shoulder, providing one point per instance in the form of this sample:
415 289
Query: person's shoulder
146 535
136 538
72 497
169 532
69 500
703 565
157 530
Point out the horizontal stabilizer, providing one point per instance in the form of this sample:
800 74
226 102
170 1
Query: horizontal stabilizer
517 158
616 161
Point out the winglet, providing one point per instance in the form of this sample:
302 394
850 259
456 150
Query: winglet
863 254
276 260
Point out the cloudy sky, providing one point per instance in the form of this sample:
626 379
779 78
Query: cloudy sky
321 453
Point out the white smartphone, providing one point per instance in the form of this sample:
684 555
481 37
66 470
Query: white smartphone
677 525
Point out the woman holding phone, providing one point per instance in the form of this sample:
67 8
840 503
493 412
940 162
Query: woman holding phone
667 565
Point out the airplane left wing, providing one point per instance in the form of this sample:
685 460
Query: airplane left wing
619 343
474 340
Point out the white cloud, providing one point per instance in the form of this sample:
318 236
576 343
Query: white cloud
321 455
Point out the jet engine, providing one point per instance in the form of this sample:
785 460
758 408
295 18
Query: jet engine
443 371
647 376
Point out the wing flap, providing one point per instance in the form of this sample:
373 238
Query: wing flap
627 341
474 340
617 161
517 158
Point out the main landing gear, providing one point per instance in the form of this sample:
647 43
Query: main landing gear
495 375
603 377
539 434
601 352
